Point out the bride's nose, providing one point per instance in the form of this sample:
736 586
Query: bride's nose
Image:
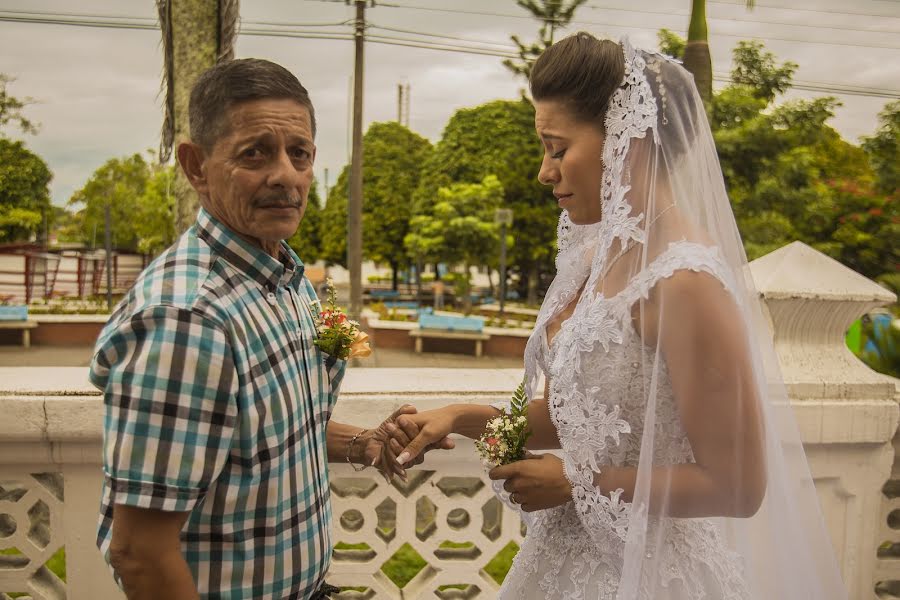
549 173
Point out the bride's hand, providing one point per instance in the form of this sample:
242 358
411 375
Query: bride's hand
433 428
536 483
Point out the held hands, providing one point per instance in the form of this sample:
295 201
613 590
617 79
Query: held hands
536 483
432 427
393 435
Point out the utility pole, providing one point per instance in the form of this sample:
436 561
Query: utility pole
107 220
504 218
354 208
403 104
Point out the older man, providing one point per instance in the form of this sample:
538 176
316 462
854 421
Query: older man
217 432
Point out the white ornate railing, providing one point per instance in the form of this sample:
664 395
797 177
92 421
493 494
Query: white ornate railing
51 432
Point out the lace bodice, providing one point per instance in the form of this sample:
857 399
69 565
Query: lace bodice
599 372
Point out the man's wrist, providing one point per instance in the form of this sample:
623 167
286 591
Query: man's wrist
356 447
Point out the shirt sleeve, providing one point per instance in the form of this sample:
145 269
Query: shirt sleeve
170 391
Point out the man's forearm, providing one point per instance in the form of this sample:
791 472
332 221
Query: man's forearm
153 577
339 436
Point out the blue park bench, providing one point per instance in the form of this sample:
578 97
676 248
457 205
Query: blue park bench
383 294
16 317
450 328
410 304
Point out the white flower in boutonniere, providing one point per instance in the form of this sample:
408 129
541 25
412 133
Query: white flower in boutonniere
337 335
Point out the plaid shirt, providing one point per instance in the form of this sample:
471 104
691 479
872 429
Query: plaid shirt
217 402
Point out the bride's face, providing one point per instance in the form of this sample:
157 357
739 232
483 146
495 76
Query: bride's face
573 163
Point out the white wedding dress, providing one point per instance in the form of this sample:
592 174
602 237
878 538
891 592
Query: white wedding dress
599 347
666 254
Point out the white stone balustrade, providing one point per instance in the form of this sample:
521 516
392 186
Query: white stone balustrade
51 432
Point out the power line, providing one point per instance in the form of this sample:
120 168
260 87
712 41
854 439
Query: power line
822 87
813 10
446 37
628 26
735 20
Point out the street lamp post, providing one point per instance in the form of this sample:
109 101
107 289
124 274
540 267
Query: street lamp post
503 217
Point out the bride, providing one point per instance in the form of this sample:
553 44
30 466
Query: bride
681 473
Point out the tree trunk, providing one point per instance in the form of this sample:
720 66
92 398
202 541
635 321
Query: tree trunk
532 298
467 295
196 35
394 276
697 59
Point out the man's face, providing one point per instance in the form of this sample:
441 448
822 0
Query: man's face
258 173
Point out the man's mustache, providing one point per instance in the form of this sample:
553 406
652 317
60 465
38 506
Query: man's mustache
279 201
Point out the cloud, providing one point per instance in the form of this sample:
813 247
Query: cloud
97 89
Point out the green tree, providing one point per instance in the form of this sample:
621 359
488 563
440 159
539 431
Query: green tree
758 69
883 148
392 160
790 175
121 183
333 225
24 191
553 15
155 223
498 139
307 241
459 228
11 108
671 43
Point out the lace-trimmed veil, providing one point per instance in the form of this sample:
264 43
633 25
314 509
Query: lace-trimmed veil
667 245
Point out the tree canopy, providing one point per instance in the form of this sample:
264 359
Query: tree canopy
498 138
141 202
393 157
25 208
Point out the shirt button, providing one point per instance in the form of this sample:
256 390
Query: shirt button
270 298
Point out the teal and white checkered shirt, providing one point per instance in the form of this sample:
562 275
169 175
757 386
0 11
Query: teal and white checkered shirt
217 402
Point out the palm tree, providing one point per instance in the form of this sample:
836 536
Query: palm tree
196 34
697 59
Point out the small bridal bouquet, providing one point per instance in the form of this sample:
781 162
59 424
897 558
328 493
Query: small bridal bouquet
504 438
337 335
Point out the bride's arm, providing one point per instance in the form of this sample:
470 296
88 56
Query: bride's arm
703 338
471 420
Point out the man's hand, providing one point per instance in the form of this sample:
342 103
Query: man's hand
394 434
536 483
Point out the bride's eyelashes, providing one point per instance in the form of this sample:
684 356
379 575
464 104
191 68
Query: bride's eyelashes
558 155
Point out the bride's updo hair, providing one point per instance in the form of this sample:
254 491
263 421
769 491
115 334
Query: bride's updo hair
580 71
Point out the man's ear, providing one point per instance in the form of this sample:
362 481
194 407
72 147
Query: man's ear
191 158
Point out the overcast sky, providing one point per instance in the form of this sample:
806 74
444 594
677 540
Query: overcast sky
97 96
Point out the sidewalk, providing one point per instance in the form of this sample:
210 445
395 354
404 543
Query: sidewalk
80 356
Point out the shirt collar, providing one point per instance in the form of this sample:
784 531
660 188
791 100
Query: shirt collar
247 258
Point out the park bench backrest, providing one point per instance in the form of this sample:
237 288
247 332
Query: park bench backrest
448 323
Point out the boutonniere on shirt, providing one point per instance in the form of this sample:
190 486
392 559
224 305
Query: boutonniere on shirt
503 441
336 334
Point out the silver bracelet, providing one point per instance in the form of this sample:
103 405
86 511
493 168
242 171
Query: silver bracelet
350 451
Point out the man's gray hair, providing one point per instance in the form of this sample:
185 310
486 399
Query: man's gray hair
235 81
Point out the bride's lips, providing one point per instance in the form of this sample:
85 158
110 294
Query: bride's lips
562 199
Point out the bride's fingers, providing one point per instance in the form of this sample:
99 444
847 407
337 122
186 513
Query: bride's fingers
396 447
409 428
